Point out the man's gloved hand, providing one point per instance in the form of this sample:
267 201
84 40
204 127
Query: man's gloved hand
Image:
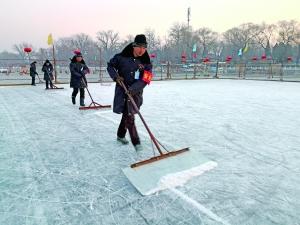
131 91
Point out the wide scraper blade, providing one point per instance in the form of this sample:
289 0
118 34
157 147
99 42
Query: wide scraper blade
168 172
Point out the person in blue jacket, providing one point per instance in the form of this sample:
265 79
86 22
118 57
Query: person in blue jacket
78 81
133 67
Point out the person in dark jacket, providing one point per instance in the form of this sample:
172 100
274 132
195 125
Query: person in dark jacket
133 67
33 72
78 70
48 73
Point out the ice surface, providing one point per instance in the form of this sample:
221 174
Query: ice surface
59 165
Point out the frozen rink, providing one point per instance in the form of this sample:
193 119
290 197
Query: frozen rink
59 165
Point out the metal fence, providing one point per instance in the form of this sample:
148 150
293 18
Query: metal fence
15 72
255 71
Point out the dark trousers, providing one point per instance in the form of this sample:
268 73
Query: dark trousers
75 92
33 80
47 84
127 123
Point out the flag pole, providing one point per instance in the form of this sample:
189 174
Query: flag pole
54 63
50 42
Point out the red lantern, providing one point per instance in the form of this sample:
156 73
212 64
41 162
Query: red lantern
289 58
263 57
228 58
254 58
27 50
206 60
153 55
183 57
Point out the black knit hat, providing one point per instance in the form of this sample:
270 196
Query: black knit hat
78 54
140 41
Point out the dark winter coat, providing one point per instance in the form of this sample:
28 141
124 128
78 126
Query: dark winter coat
78 71
132 70
33 70
48 71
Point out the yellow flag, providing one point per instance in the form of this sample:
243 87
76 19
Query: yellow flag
246 48
50 39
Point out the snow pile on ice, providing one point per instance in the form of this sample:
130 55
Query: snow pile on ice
180 178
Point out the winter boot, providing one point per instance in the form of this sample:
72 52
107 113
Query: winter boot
82 102
122 140
73 100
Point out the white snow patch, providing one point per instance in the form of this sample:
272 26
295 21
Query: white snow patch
180 178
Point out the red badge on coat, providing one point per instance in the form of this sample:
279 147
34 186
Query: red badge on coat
147 76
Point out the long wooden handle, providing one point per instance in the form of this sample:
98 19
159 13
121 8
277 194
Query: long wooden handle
121 83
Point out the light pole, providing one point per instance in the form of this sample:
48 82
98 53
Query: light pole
219 52
27 50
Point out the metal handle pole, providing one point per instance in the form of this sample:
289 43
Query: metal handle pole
87 89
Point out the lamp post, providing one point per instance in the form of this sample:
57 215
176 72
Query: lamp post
219 52
27 50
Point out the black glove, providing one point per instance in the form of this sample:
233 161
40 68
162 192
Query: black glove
131 91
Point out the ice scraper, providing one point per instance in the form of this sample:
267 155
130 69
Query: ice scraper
93 105
166 170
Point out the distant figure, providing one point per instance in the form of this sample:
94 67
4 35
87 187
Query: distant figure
48 76
78 81
33 72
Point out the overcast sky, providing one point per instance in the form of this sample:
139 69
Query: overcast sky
32 20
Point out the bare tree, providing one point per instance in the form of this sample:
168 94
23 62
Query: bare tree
297 42
153 41
217 49
265 37
287 37
177 33
206 38
287 31
64 47
129 39
109 42
82 41
180 40
237 37
44 53
19 48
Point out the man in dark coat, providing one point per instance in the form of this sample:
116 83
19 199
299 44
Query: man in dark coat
33 72
48 76
133 67
78 80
